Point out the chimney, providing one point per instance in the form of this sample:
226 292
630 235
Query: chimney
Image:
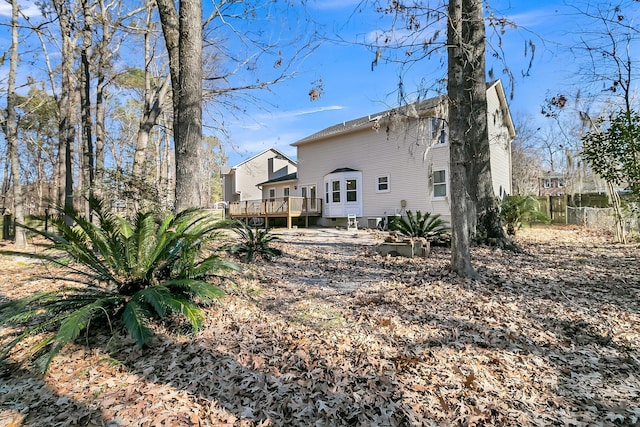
270 168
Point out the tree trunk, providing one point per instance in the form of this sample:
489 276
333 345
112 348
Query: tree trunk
486 226
6 175
458 140
154 104
171 31
183 38
12 130
188 129
101 113
166 178
66 128
104 59
85 105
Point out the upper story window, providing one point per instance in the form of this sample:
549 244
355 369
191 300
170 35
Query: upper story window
272 194
438 131
285 191
382 184
439 184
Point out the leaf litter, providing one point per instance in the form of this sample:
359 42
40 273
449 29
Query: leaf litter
331 334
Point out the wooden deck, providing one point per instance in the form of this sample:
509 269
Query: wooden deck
288 207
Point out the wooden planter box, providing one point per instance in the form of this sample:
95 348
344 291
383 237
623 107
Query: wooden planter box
407 249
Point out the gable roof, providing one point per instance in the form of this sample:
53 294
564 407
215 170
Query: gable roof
278 154
421 108
506 113
417 109
289 177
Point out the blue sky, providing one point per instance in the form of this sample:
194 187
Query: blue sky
285 113
352 89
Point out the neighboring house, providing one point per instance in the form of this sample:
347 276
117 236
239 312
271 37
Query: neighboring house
579 181
240 183
398 160
551 184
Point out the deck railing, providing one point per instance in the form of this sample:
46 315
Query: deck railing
281 207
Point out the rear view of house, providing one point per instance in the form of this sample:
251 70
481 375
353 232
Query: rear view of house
385 164
240 182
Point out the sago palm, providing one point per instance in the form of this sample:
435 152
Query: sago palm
124 272
253 243
516 210
428 226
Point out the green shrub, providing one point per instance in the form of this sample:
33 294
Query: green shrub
127 273
254 242
430 227
516 210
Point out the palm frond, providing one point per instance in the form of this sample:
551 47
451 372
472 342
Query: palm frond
211 264
155 296
135 317
70 327
196 289
129 272
253 243
189 310
428 226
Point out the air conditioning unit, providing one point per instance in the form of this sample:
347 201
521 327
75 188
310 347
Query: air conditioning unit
373 222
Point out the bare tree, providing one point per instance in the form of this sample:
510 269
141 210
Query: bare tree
608 83
475 213
155 99
525 160
86 134
458 126
11 129
178 25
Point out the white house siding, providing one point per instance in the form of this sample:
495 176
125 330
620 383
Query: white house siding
250 173
499 142
404 159
241 182
229 185
279 189
403 154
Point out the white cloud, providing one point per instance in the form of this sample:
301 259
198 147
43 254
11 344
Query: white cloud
250 147
298 113
26 7
263 121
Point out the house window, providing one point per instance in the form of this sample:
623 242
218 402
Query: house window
439 184
326 192
352 190
547 183
382 184
343 190
272 194
286 191
335 191
438 131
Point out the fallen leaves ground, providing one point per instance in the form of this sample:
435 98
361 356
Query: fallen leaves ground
331 334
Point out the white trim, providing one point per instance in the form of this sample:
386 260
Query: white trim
388 183
341 208
438 135
445 183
